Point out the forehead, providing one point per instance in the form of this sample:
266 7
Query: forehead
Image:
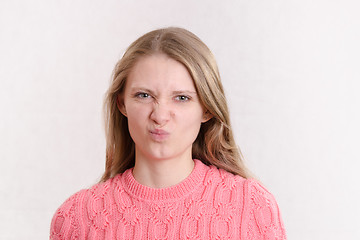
159 70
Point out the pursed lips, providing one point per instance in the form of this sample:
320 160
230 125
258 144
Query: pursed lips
159 134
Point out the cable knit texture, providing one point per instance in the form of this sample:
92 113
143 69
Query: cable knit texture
208 204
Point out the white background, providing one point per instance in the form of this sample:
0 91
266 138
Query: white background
290 70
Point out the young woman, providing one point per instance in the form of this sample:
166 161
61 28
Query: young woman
173 170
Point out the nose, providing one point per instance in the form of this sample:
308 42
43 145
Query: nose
161 114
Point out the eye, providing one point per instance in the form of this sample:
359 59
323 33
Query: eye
182 98
142 95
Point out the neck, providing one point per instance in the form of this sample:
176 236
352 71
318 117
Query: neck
162 173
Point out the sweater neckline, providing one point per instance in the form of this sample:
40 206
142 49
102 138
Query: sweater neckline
173 192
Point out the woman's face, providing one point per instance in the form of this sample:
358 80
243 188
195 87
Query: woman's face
163 109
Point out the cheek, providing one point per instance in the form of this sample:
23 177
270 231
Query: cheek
136 118
191 121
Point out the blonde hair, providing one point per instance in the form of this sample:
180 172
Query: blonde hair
215 143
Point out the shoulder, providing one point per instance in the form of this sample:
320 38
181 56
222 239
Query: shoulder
220 176
261 214
258 194
259 211
70 217
64 222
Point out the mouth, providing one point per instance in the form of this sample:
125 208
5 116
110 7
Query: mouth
159 135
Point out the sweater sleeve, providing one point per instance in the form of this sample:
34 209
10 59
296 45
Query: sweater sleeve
261 216
65 224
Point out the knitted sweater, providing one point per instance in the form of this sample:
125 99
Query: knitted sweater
209 204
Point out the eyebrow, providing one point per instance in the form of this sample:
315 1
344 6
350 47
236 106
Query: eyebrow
184 91
177 92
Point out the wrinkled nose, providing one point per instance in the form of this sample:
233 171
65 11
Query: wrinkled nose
161 114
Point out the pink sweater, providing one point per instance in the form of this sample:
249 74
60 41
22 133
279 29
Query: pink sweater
208 204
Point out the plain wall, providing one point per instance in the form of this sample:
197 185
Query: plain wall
290 70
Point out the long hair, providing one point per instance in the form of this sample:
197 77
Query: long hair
215 143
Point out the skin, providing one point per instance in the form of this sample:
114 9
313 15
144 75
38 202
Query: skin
164 118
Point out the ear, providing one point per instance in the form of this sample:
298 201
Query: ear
121 106
206 116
